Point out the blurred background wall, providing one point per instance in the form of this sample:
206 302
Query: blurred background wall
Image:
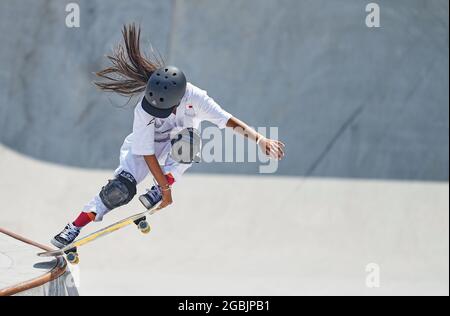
349 101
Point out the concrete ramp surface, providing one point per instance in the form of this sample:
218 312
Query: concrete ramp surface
240 235
22 273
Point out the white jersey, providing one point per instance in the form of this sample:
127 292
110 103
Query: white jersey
151 136
195 106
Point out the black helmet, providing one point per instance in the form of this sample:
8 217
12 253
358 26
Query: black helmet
164 91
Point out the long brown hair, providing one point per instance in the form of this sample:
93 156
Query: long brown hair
130 69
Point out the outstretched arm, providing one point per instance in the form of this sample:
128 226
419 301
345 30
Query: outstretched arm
210 111
272 148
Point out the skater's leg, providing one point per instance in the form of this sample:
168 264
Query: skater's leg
84 218
117 192
129 164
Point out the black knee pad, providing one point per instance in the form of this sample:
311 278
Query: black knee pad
119 191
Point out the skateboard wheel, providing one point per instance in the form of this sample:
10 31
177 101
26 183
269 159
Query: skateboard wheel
144 227
73 258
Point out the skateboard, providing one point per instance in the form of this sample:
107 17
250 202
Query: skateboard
71 251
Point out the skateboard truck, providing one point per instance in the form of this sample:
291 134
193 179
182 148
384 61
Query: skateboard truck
142 225
72 256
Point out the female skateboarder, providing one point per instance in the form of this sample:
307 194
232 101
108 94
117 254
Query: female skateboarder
170 106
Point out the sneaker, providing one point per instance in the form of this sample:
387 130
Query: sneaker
151 198
66 237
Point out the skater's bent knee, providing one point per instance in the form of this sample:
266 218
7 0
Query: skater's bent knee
119 191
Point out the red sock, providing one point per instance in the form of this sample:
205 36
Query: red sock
83 219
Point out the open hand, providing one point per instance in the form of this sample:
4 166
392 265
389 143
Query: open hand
272 148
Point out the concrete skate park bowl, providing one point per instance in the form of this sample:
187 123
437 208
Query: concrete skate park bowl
362 194
242 235
20 277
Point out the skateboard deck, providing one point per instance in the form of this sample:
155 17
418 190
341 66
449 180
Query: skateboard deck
72 248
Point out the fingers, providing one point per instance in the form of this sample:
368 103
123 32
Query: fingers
280 148
279 143
275 149
163 204
166 199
